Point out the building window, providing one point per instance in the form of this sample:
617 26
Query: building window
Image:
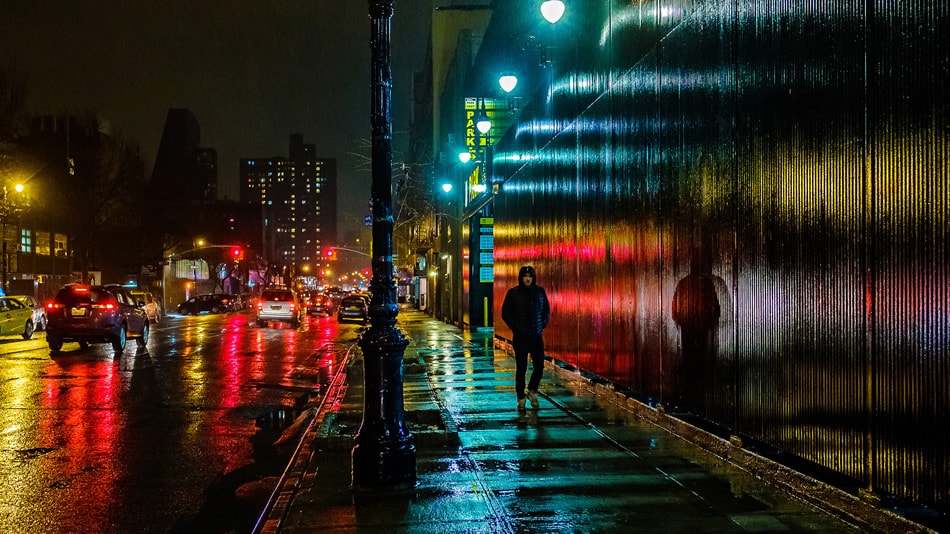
59 242
43 243
26 240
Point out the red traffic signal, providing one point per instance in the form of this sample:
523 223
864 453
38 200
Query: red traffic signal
236 253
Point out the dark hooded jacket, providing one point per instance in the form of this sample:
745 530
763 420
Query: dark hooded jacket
526 309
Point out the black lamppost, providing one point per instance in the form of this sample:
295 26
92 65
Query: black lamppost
384 455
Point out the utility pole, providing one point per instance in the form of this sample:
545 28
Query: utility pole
384 455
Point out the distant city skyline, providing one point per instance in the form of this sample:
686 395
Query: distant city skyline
251 73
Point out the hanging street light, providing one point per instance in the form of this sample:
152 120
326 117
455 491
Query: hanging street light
508 82
483 124
552 10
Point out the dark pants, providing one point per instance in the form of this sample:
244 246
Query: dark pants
525 345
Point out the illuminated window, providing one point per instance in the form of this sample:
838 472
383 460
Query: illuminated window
59 241
43 243
26 240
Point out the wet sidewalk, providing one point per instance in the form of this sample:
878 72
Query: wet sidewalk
588 460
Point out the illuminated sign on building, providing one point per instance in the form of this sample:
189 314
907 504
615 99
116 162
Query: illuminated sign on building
477 143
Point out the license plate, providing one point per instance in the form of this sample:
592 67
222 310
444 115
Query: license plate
78 312
276 308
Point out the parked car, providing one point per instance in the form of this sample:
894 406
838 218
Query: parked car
39 311
278 305
153 309
241 301
15 318
216 303
353 308
95 314
335 294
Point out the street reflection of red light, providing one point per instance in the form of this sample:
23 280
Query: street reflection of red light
233 361
82 436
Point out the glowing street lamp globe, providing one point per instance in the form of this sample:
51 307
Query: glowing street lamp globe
508 82
552 10
483 124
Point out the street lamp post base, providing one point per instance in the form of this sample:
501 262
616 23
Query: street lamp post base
384 455
384 465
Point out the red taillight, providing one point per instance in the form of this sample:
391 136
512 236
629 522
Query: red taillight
54 306
293 307
260 305
104 306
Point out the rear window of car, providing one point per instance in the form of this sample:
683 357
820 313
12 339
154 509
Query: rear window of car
277 295
353 301
78 295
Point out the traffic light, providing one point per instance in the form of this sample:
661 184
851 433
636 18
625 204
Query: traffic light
329 254
236 253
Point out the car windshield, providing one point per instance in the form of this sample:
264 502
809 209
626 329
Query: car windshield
353 301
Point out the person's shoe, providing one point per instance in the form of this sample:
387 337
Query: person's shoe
521 407
533 397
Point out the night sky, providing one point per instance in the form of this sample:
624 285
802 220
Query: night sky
252 72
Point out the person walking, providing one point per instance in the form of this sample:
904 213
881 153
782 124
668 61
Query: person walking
526 312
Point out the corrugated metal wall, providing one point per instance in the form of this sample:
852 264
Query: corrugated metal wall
741 209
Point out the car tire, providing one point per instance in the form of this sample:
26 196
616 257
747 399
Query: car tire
143 339
261 324
55 343
28 329
119 340
215 309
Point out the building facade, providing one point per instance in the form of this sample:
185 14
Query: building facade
297 200
739 213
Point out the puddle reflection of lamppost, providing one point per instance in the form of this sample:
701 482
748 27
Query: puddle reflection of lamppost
8 208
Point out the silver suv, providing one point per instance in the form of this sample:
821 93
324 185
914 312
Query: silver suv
278 305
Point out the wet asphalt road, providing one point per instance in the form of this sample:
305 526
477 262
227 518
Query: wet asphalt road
174 438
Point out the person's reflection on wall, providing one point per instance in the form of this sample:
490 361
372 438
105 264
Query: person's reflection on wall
696 313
